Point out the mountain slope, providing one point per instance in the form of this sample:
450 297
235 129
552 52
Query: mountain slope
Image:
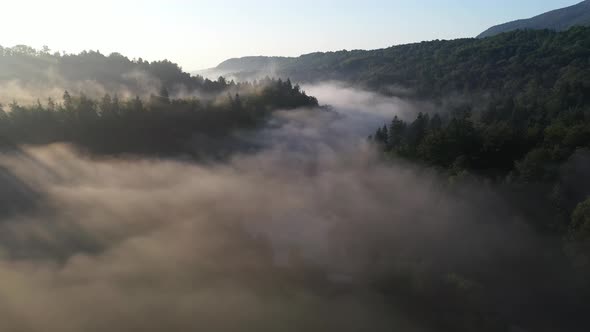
510 62
246 68
559 20
27 74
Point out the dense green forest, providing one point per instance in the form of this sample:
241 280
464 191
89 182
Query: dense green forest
534 115
510 63
161 125
542 170
528 136
529 152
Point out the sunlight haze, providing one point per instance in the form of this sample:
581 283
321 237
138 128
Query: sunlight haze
201 34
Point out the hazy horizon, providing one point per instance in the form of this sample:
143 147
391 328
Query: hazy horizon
192 34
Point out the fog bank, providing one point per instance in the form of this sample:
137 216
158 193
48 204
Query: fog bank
301 235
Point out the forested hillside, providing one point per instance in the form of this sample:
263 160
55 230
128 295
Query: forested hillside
505 64
37 71
160 125
113 105
537 98
528 135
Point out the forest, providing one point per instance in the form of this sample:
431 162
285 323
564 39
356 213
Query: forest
161 125
472 214
518 61
528 136
114 73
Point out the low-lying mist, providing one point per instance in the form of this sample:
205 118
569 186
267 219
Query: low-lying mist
313 232
53 85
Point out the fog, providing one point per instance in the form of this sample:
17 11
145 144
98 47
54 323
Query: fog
299 235
53 85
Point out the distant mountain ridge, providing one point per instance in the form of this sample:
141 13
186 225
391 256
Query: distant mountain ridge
558 20
253 63
439 67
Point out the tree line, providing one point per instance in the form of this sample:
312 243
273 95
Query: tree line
160 125
113 71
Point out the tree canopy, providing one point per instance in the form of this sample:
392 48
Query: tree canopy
161 125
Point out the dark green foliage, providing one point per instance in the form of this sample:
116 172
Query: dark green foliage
525 110
496 147
551 67
534 114
523 125
162 126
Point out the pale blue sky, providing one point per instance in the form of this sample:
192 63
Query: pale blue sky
200 34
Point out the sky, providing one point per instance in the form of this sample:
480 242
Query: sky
200 34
